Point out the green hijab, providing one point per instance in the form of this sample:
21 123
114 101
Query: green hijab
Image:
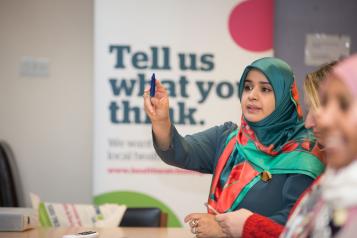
285 122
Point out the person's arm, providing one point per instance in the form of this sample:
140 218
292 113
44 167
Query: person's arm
197 151
294 186
261 226
157 108
268 227
243 223
258 226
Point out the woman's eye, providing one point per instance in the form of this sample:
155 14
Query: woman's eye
248 87
267 90
344 104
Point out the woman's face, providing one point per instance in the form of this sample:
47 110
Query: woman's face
258 99
310 123
336 120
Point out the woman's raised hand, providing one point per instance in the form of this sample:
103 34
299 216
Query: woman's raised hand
157 108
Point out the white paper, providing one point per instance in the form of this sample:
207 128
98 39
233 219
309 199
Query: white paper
322 48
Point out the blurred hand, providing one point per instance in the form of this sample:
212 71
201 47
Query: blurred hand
203 225
157 107
232 223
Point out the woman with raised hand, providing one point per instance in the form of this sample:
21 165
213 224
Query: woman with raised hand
260 168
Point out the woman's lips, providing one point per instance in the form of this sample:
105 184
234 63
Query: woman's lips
253 109
333 144
317 134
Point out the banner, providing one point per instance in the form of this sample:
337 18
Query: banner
198 50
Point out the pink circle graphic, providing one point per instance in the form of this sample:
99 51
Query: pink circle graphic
251 25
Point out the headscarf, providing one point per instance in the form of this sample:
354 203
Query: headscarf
285 122
278 144
338 186
347 72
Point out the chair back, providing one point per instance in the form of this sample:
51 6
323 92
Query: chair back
11 194
144 217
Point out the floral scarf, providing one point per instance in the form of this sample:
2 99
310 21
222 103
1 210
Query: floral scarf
278 144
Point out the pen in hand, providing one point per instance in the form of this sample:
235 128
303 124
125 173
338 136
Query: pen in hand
152 85
210 208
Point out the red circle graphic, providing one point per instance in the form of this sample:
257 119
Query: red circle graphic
251 25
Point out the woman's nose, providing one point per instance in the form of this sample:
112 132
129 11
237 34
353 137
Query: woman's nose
253 94
310 120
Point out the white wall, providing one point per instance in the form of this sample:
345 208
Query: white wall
48 121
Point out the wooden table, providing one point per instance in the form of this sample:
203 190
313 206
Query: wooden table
118 232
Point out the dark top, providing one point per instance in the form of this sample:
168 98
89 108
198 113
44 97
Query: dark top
201 151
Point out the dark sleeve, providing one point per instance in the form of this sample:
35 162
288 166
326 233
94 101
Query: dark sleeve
258 226
294 186
197 151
